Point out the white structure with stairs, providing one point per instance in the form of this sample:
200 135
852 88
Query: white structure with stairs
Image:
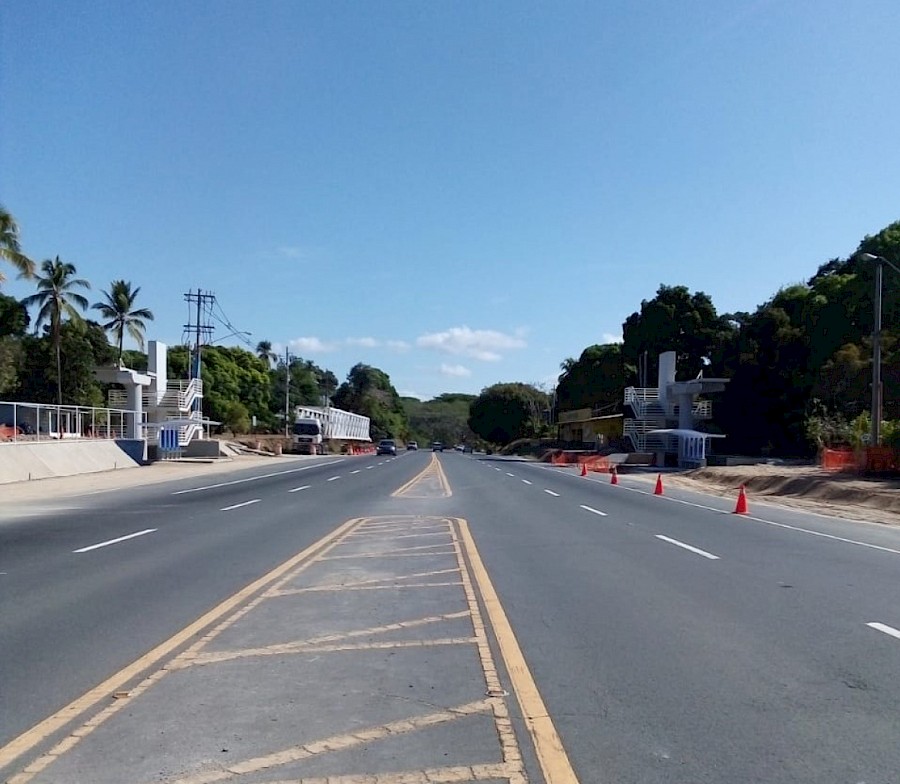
663 419
165 403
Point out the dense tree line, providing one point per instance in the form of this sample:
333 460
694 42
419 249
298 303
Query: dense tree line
800 364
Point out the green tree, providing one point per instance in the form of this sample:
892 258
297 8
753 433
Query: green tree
505 412
120 313
10 248
14 319
675 320
597 378
445 418
265 353
57 301
368 391
83 347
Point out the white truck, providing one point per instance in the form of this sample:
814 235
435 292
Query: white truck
314 427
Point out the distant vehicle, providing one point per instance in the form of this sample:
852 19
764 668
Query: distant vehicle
412 445
387 446
437 446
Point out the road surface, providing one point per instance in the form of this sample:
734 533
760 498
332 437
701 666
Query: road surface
443 618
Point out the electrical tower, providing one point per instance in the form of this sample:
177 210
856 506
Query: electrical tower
199 329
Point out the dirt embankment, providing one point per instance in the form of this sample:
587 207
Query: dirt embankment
803 487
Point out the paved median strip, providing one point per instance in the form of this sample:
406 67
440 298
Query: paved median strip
114 541
693 549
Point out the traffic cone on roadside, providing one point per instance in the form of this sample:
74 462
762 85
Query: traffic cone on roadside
659 487
741 506
584 469
614 476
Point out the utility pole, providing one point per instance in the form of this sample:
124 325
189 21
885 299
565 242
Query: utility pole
287 391
198 330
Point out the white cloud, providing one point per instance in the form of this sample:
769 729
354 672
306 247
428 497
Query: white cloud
291 252
364 342
457 371
483 344
608 337
398 345
311 345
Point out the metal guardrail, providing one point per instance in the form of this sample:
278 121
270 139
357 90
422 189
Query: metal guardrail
30 422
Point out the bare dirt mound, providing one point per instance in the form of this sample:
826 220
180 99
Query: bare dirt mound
807 487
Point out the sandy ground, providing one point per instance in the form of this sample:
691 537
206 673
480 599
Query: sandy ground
799 487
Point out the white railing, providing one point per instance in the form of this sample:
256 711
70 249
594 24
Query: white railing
641 435
181 395
30 422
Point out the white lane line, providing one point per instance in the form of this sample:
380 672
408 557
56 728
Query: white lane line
298 489
495 468
882 627
526 482
509 474
369 468
743 518
591 509
356 471
688 547
114 541
254 478
333 478
238 506
550 492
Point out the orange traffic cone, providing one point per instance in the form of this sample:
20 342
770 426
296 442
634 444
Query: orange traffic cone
659 487
584 469
741 506
614 476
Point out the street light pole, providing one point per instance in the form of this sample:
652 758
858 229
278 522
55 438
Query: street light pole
877 391
876 358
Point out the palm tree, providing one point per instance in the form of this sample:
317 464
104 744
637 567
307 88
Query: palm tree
121 314
10 249
57 300
265 353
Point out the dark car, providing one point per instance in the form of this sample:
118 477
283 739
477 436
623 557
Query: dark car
387 446
437 446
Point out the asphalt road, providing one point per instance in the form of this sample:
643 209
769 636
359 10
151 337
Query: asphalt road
671 641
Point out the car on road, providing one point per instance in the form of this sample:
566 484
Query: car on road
387 446
437 446
412 445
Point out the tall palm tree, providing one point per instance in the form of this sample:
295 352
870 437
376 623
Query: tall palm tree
121 314
57 301
10 250
265 353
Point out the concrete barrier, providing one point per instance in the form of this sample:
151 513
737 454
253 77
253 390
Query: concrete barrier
24 461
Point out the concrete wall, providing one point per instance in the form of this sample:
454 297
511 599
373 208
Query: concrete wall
22 461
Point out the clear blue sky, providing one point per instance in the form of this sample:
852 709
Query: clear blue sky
457 192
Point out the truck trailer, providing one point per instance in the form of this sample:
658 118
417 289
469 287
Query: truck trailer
316 428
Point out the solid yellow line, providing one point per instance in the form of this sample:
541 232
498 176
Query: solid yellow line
547 744
442 477
42 730
423 474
